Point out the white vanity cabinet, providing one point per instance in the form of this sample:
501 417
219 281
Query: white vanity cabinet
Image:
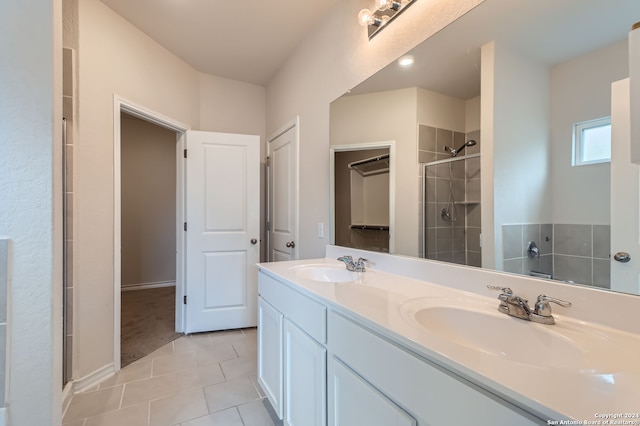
421 390
291 353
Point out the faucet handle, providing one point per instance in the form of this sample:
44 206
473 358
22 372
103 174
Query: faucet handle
345 258
542 312
542 304
505 290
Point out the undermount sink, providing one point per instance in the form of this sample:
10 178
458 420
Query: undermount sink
479 327
326 273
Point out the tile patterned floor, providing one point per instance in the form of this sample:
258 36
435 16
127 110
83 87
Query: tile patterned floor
197 380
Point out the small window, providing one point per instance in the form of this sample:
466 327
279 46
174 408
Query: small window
592 142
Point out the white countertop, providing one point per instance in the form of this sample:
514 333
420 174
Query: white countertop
604 379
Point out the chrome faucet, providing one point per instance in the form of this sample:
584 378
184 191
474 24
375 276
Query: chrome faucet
359 266
518 307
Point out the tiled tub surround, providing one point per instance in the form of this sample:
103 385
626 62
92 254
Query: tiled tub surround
568 252
551 393
450 241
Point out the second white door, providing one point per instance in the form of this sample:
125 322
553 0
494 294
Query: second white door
223 231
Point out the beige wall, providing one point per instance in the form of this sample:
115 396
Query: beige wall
114 58
148 195
334 58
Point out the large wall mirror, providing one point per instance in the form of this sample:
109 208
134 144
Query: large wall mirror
497 127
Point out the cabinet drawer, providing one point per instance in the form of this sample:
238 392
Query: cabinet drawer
427 392
308 314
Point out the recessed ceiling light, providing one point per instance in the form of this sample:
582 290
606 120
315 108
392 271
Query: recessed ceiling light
405 61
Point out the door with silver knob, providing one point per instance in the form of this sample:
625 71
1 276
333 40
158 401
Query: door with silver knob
625 198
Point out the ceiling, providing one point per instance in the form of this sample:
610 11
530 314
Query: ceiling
549 31
242 40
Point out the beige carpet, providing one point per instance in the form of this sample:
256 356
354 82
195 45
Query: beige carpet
147 322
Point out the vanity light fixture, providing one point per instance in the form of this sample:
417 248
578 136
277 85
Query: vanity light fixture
385 12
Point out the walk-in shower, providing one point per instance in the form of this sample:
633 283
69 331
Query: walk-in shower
451 209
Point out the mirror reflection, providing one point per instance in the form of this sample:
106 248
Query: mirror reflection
486 122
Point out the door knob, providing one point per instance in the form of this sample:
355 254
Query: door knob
622 256
290 244
254 241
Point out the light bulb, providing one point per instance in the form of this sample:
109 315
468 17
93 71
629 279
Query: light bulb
383 4
405 61
365 17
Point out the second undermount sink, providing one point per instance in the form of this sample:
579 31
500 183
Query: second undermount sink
326 273
479 327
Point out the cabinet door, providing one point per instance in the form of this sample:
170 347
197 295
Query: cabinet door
270 359
353 401
305 378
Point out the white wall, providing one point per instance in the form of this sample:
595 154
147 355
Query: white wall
30 207
333 58
515 154
472 115
581 91
116 58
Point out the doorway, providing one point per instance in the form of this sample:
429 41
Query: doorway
148 237
168 278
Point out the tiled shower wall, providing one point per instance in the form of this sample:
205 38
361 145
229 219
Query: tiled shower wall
67 113
450 241
4 282
568 252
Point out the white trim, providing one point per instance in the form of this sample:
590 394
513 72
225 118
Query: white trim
122 105
67 395
93 379
294 123
391 145
146 286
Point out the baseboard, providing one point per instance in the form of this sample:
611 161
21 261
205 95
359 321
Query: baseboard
92 380
145 286
67 394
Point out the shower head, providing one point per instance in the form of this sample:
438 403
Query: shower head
454 152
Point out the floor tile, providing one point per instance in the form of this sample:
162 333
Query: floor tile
200 377
239 367
187 344
93 403
136 371
230 393
173 363
149 389
228 417
136 415
163 351
246 347
178 408
215 354
254 413
74 423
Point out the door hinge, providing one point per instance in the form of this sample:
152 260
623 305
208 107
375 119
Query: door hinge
185 226
267 161
185 153
268 226
184 299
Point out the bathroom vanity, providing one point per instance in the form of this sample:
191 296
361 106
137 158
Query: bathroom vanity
414 342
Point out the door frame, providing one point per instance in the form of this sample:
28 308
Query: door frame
121 105
293 123
391 146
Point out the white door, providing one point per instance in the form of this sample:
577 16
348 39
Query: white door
283 161
625 235
223 226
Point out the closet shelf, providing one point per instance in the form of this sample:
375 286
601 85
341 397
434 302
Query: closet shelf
370 227
467 202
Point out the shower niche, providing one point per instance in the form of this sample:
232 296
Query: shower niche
451 196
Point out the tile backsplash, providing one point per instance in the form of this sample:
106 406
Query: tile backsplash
566 252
